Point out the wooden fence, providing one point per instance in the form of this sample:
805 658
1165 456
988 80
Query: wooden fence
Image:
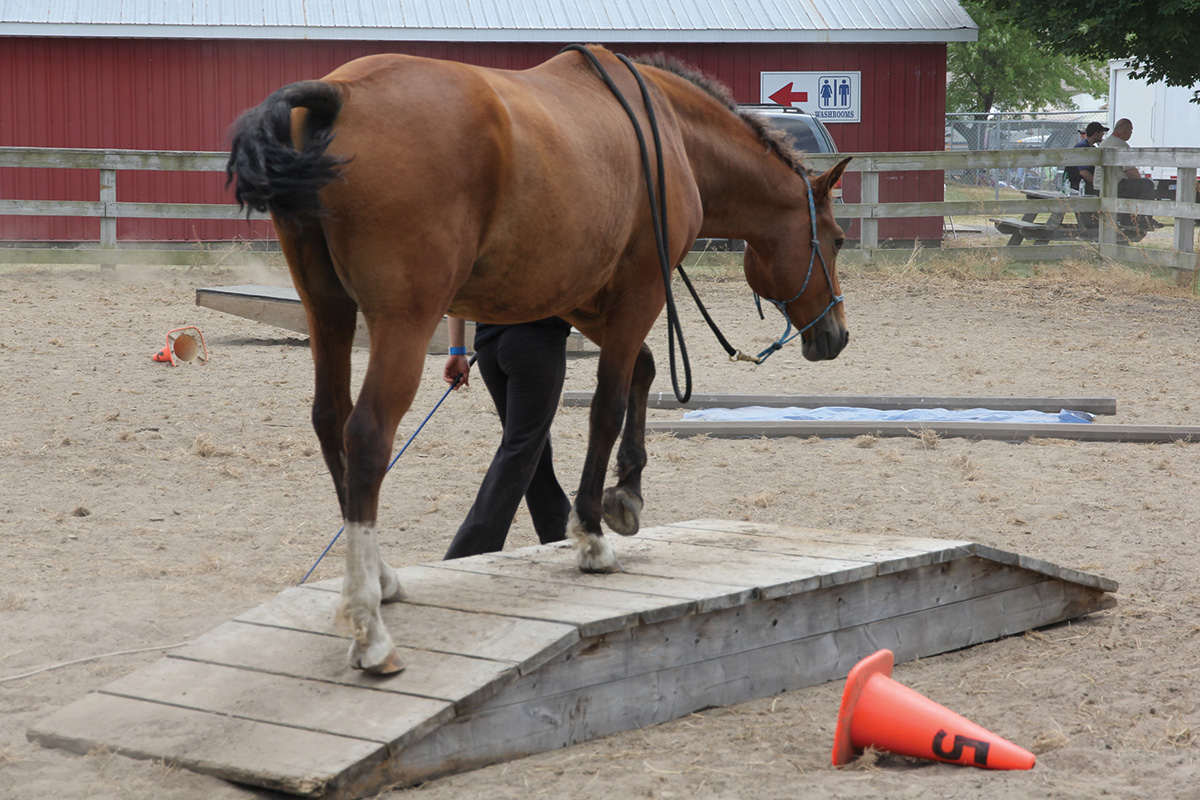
1183 209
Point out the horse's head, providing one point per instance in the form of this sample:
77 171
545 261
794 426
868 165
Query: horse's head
795 268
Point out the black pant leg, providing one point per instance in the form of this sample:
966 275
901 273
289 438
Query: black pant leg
524 371
535 359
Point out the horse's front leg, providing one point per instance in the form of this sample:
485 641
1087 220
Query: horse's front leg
594 552
393 372
622 504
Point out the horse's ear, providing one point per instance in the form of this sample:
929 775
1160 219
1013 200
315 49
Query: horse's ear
823 183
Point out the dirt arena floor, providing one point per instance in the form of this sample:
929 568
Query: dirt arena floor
141 506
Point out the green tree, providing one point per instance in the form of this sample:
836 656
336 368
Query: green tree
1008 70
1157 37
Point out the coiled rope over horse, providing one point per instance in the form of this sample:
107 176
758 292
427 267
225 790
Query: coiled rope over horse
658 218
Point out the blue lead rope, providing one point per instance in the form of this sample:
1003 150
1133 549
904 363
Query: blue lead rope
396 458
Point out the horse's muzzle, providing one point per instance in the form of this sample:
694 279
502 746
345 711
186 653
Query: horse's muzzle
827 342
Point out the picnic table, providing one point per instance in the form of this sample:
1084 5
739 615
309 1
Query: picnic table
1053 228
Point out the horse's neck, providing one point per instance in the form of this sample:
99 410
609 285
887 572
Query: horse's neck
742 184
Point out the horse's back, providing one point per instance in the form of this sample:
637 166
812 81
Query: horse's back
527 176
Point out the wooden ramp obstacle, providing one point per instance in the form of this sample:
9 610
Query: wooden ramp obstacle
517 653
1050 405
1002 431
280 306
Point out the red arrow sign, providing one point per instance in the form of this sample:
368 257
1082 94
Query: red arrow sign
785 96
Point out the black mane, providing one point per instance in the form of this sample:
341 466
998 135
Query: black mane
775 139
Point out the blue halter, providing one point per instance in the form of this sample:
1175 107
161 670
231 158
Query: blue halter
788 335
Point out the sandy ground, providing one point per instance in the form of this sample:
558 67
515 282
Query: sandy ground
141 506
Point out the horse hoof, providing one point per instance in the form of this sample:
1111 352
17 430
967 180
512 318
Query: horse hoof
360 658
622 510
609 568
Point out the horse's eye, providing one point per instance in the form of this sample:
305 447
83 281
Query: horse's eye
838 242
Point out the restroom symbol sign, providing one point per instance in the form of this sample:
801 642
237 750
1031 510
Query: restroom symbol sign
829 96
834 92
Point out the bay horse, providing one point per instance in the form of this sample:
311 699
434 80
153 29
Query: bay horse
408 188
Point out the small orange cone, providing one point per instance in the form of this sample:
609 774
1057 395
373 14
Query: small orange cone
183 344
881 713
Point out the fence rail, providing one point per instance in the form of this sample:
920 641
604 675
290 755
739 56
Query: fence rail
869 210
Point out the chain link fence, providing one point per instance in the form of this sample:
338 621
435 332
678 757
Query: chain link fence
1011 132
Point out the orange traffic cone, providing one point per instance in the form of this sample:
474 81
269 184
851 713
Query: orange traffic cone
881 713
183 344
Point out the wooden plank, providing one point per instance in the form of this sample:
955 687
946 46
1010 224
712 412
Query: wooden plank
765 623
1092 405
380 716
879 556
280 306
272 756
439 676
526 642
510 731
593 610
768 574
129 256
1046 568
557 565
1007 432
51 208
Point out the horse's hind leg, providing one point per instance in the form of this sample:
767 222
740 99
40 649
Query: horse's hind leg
622 504
393 373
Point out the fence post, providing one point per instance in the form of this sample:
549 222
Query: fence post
1185 229
869 240
1110 176
108 201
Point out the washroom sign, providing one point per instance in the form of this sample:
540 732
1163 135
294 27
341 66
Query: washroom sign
829 96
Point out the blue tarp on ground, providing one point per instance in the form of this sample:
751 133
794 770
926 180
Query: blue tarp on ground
838 413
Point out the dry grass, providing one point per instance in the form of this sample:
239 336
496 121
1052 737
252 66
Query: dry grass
927 437
13 602
967 264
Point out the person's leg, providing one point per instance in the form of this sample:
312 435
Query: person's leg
536 362
484 529
525 378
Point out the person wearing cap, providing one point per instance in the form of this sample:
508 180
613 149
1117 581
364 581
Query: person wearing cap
1132 184
523 368
1084 178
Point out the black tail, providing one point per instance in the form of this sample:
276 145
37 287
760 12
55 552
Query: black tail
274 176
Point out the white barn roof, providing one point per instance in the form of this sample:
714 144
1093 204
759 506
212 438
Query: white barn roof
498 20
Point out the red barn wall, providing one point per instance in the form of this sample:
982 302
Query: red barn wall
147 94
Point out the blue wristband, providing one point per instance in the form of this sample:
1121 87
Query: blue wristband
458 351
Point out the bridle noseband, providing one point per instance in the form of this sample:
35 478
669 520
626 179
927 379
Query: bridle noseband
782 304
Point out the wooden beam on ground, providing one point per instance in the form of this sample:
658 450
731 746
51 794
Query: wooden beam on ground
516 653
1002 431
1051 405
280 306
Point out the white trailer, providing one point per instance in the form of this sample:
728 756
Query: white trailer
1163 116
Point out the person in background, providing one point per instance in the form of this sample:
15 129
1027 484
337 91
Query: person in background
523 367
1132 184
1083 179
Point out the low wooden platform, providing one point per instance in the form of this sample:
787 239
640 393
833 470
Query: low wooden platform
1050 405
517 653
280 306
1001 431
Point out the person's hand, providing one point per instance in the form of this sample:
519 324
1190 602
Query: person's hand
457 366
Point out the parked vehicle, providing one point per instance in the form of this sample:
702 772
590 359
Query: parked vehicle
807 133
